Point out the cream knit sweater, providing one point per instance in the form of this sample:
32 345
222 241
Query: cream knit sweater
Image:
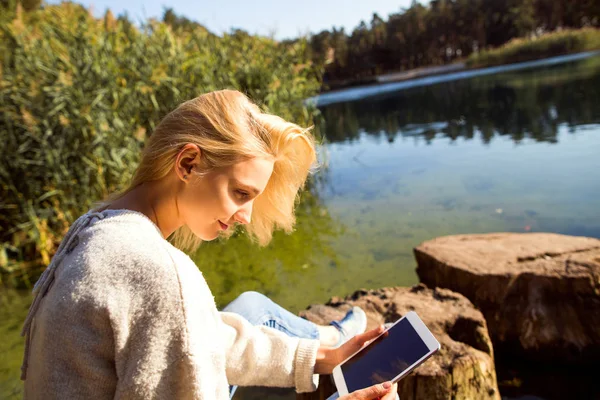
121 313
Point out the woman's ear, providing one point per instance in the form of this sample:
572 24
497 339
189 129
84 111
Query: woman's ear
188 160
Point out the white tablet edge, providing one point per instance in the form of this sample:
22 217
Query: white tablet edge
424 332
340 382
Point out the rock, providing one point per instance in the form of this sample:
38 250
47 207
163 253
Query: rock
462 369
539 292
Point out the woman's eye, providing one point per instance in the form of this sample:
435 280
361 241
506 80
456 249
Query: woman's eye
241 194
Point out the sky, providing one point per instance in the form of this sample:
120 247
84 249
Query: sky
283 18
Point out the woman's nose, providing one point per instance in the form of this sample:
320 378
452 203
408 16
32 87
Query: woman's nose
242 218
244 215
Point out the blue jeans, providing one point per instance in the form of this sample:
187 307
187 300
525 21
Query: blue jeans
258 309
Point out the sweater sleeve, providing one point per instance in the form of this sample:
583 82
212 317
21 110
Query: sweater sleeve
262 356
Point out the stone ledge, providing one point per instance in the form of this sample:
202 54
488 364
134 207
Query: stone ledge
539 292
462 369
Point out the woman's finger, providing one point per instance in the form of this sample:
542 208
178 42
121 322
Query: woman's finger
357 343
370 393
368 335
392 394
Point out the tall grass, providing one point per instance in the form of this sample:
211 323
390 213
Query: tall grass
79 95
548 45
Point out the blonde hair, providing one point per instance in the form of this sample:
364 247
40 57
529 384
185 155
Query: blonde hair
229 128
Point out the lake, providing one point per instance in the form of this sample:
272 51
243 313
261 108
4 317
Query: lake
513 151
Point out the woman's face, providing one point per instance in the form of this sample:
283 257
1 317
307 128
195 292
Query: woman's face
213 202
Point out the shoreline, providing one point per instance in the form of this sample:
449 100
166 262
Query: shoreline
398 76
484 59
409 80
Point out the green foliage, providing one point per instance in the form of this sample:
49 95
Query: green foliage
180 23
13 310
30 5
78 96
551 44
524 17
440 32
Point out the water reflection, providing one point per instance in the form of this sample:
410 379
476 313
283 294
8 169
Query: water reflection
525 104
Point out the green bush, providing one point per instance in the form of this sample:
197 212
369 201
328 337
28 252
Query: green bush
79 95
548 45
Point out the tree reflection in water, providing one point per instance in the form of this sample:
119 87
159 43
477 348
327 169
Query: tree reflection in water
524 104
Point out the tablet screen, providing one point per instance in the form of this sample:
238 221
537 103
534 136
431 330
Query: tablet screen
385 358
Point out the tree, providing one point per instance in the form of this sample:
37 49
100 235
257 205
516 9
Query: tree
524 17
440 33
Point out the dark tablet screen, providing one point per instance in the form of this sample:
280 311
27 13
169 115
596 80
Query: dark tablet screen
385 358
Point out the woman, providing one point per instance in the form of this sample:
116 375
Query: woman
122 313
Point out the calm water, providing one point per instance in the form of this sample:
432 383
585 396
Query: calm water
515 151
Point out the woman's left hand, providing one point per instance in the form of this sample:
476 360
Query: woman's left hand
328 358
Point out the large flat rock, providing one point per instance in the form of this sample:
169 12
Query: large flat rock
539 292
462 369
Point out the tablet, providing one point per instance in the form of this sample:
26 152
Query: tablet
389 357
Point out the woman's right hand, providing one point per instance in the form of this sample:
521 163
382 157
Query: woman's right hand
381 391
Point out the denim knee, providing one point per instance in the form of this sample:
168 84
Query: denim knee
258 309
251 305
252 300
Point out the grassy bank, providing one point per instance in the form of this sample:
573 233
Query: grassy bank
548 45
79 95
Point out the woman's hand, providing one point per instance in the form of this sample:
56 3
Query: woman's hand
328 358
382 391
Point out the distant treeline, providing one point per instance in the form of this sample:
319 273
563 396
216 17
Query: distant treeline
441 32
